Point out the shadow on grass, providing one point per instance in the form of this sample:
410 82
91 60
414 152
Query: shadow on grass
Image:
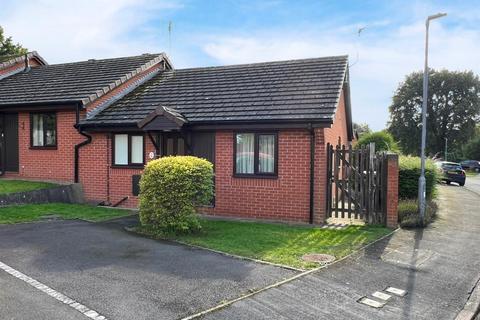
284 244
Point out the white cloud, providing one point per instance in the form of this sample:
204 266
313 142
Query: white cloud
387 49
76 30
384 57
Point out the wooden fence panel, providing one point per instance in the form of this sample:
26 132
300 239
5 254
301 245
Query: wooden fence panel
356 183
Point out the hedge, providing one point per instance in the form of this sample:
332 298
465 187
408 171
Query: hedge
383 141
409 172
170 190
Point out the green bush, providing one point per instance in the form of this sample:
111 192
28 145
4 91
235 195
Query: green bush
471 150
170 190
408 216
383 141
409 172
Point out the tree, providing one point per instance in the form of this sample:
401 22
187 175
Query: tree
453 110
361 128
8 48
472 149
382 139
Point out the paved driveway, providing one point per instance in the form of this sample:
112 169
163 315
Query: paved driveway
118 275
438 267
473 184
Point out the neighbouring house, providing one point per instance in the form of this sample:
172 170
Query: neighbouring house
265 126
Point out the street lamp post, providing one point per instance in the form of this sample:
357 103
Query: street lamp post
446 146
421 180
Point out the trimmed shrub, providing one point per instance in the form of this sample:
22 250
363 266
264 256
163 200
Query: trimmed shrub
409 172
383 141
471 150
170 190
409 217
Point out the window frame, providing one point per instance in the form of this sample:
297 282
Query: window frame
44 147
130 164
256 147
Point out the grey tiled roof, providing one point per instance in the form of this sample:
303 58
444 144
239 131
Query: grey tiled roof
69 82
306 90
9 61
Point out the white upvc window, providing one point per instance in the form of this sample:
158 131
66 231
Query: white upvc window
128 149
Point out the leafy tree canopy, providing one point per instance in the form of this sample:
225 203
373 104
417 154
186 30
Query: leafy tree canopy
361 128
383 141
8 48
453 111
471 150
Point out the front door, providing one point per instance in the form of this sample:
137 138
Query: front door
173 144
9 142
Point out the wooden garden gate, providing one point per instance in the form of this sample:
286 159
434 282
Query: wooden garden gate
357 184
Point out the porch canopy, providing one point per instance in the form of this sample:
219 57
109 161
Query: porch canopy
162 119
164 127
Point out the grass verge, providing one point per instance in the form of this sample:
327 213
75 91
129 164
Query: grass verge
471 173
12 186
276 243
35 212
409 216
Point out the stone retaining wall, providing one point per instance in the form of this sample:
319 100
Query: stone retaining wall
71 193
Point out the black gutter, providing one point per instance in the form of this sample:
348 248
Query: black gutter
312 172
79 145
294 124
42 103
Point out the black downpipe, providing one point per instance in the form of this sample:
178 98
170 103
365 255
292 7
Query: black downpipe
79 145
121 201
312 171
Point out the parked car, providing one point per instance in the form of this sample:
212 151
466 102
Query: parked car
452 172
471 165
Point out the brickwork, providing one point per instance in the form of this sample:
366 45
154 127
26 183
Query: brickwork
339 128
337 132
18 67
102 182
392 190
284 198
46 164
58 164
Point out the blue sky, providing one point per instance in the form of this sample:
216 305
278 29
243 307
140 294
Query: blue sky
217 32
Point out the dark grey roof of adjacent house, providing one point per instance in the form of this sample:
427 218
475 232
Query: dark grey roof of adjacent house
295 90
8 61
71 82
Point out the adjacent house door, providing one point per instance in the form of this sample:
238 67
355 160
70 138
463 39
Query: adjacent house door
9 142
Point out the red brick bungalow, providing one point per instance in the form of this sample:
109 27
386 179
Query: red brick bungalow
265 127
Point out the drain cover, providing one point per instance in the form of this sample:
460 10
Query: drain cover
318 258
50 217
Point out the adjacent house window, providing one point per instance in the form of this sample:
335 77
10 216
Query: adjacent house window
128 149
43 129
256 154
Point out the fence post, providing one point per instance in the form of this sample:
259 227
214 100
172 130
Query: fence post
392 190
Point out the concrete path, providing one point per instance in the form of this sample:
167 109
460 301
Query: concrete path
437 266
115 274
473 184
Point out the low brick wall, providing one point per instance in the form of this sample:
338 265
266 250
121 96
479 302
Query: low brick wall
71 193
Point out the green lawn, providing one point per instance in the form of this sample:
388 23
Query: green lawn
34 212
283 244
471 173
12 186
